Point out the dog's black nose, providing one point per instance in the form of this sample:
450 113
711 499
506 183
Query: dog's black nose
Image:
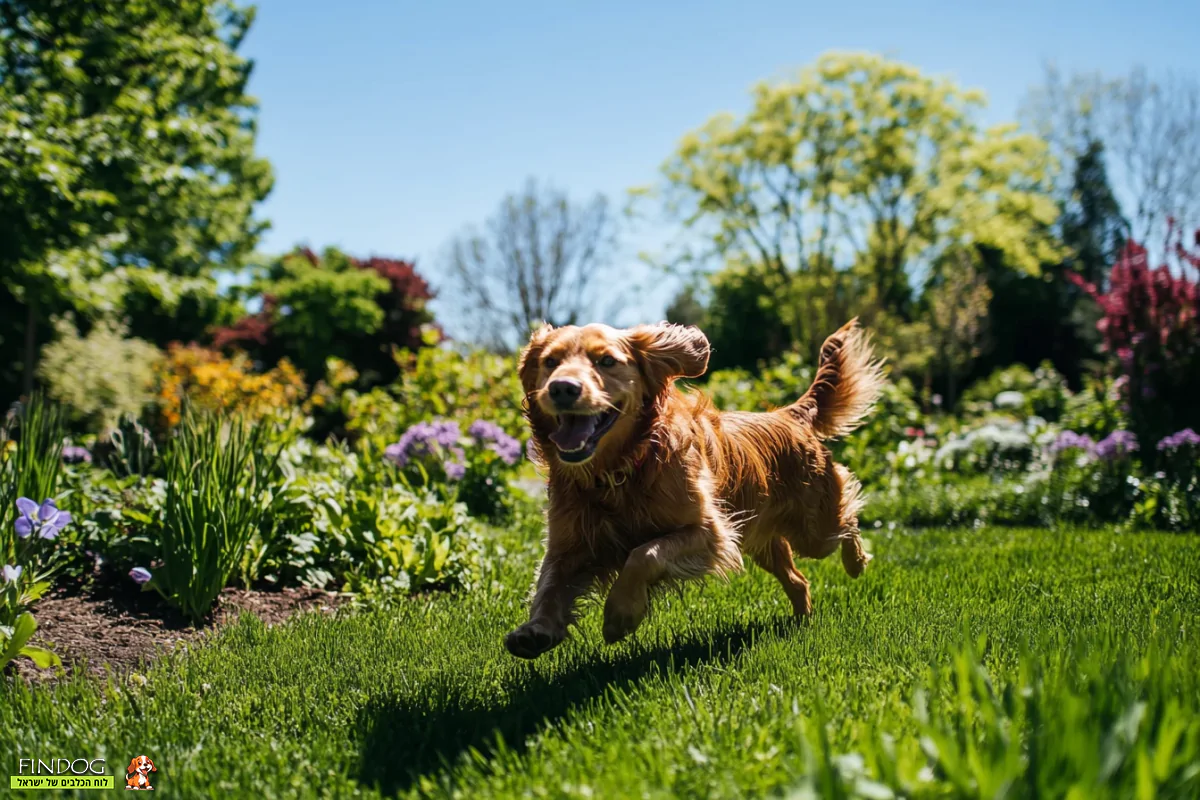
564 392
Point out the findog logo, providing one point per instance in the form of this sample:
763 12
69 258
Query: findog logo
137 774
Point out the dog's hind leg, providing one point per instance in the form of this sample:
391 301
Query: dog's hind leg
854 557
777 560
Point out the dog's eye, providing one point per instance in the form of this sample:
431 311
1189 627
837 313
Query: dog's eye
608 361
550 363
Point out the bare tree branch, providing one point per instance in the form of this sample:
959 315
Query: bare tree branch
542 259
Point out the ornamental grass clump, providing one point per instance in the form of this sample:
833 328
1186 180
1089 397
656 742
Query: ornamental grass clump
218 474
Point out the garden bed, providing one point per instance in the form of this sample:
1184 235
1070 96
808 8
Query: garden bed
118 630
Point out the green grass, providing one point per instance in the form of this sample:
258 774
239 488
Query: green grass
719 695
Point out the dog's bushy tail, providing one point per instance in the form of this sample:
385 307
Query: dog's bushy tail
848 382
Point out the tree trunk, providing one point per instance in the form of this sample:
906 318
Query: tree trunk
30 349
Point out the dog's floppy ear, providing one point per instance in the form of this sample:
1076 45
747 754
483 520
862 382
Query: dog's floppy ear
527 367
666 351
132 766
152 767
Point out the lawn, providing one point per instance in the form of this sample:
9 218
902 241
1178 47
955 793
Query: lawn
1088 639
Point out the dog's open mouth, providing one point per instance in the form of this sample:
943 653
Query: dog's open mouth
578 434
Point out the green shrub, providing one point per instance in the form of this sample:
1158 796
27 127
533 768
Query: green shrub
218 488
437 383
1097 410
101 376
354 523
1043 392
776 384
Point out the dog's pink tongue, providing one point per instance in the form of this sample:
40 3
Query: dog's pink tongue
573 431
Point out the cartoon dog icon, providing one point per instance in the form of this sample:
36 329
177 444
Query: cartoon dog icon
137 774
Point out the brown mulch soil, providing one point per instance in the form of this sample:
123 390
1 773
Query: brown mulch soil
118 630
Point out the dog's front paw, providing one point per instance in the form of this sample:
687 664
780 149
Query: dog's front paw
623 613
533 638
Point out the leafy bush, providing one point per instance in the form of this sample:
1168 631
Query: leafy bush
776 384
1151 324
356 524
436 383
400 541
217 474
1072 479
474 468
1097 410
1042 392
213 382
998 444
101 376
333 305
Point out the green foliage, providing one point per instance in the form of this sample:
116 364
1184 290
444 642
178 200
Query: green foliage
400 541
738 294
14 639
323 306
987 486
218 487
351 522
841 180
31 441
437 383
128 449
1043 392
99 377
126 148
1097 410
776 384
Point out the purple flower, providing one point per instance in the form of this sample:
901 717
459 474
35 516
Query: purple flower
73 454
493 436
45 519
1068 440
27 507
455 470
1116 445
10 573
422 439
140 575
1184 438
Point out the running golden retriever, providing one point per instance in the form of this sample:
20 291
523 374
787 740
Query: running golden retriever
650 485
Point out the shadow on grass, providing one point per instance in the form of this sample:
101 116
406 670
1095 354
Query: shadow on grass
406 738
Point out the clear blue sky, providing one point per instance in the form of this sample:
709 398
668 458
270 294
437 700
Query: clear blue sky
393 123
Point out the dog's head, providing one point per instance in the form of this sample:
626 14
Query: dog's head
586 387
141 765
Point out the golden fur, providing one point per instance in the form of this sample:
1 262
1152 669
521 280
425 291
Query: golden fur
676 489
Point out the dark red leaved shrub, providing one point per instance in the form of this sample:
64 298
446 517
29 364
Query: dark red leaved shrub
1150 325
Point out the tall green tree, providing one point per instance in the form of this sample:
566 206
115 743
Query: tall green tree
1093 228
860 166
127 161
